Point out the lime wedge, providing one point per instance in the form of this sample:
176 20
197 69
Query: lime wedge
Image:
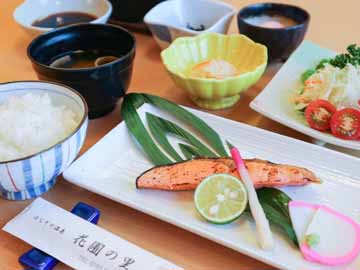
220 198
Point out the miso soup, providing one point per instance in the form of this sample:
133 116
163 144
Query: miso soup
84 59
271 21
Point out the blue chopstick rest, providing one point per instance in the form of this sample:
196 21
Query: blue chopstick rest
35 259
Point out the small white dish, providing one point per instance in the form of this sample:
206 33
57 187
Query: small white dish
169 19
111 166
274 103
31 10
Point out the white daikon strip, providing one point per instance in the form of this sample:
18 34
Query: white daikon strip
265 237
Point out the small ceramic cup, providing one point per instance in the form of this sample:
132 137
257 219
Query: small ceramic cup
31 10
29 177
281 42
177 18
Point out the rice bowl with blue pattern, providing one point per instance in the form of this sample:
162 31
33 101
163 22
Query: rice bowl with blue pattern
45 127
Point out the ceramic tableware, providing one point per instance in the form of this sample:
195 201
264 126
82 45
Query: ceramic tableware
174 18
31 10
101 85
250 59
31 176
132 11
275 100
111 167
281 42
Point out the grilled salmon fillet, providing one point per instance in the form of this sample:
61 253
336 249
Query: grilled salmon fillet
186 175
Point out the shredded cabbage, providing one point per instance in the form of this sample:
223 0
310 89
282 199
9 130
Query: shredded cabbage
341 87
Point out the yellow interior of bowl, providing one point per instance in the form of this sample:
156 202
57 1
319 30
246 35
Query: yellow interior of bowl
184 53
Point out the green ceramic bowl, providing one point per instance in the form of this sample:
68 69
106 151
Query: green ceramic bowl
248 57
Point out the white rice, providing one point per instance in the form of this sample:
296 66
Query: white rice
31 123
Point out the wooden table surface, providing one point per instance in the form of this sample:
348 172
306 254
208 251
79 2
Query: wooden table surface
333 25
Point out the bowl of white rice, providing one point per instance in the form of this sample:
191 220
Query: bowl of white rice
43 127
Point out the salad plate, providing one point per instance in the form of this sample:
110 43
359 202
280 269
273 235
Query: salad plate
275 102
112 165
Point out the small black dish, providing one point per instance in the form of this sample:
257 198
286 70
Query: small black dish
102 86
281 42
131 11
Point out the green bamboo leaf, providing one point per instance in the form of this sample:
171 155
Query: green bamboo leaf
199 125
229 145
276 218
278 199
138 130
171 128
159 131
275 204
276 207
188 151
136 99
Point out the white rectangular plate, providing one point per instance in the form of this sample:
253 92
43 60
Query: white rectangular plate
111 166
274 100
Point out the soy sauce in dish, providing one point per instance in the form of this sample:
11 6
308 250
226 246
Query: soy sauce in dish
84 59
63 19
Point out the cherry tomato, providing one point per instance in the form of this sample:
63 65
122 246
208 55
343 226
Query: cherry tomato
318 114
345 124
